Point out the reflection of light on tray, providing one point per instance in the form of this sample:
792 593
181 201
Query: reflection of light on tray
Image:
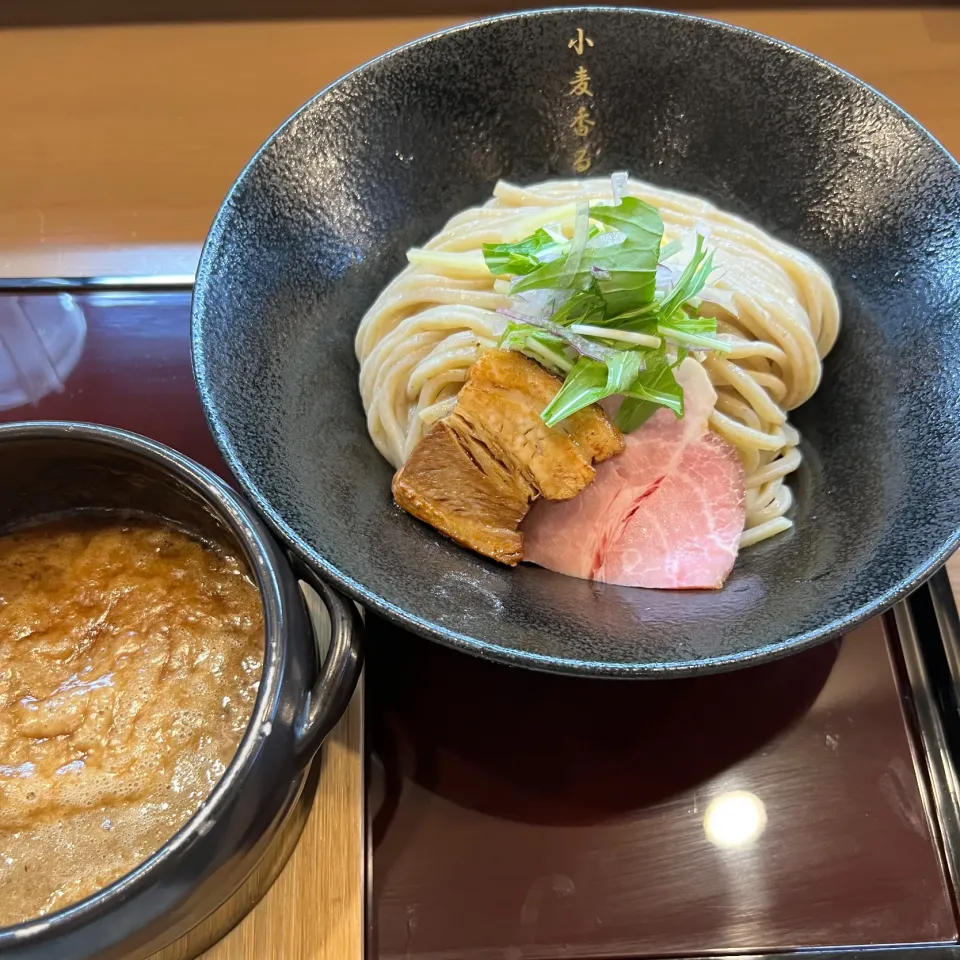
41 339
735 819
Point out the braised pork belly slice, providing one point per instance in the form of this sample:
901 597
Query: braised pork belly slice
512 379
458 487
474 475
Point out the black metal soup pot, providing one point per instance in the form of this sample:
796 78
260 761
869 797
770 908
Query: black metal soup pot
254 815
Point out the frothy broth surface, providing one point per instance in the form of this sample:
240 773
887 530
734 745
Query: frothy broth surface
130 656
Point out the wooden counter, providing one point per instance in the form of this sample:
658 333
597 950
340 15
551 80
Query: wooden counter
117 145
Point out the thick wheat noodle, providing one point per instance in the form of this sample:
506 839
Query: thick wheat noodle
774 305
434 371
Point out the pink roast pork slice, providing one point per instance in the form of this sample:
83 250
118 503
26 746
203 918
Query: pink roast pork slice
667 513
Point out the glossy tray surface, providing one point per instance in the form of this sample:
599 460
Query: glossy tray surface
527 816
517 815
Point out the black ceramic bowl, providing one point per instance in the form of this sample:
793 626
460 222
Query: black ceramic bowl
319 222
254 815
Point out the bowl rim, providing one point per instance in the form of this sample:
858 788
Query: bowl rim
453 638
254 539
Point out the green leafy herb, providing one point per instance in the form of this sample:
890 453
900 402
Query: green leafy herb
695 332
636 219
518 258
605 279
591 381
546 349
570 271
652 389
632 265
584 385
585 306
629 267
623 371
670 249
691 281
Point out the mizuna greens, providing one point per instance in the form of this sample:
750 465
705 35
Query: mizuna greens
604 309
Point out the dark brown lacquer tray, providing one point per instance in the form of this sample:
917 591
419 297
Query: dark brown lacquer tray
118 357
807 804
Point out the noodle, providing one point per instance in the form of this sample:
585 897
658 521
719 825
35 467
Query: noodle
773 304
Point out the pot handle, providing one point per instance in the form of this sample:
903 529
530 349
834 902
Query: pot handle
339 672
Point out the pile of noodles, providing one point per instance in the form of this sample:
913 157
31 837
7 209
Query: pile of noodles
774 305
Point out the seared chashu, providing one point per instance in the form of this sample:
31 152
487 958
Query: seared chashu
474 475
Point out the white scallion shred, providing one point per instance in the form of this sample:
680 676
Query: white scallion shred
610 333
608 239
581 229
540 304
555 233
550 358
467 264
618 183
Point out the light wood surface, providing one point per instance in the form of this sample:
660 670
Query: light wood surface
116 146
314 911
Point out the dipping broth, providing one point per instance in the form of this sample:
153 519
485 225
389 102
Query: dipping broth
130 657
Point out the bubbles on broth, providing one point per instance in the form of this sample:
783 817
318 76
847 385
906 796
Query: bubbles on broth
130 658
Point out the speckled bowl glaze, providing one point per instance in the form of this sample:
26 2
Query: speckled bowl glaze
319 222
